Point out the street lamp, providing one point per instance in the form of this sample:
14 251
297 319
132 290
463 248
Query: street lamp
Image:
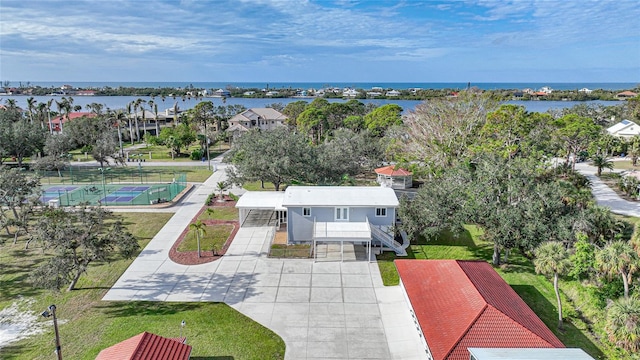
51 312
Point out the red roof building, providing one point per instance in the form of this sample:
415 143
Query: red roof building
74 115
394 177
147 346
462 304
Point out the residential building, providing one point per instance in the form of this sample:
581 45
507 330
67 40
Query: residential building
459 305
626 95
393 93
360 215
256 118
624 129
58 122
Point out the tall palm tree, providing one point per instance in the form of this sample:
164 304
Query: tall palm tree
41 111
31 107
618 258
154 106
552 259
199 228
49 103
623 323
129 108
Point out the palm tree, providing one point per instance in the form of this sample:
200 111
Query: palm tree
210 212
49 103
129 115
602 162
41 110
31 107
222 186
552 258
618 258
623 323
154 106
198 228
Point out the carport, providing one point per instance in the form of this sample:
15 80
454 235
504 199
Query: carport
341 232
261 208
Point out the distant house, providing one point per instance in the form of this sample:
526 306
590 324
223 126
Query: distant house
85 92
465 304
248 93
147 346
363 215
626 95
272 93
394 177
393 93
350 93
261 118
624 129
58 122
546 89
585 90
66 87
221 93
374 94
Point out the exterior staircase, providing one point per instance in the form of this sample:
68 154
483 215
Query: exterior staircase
387 239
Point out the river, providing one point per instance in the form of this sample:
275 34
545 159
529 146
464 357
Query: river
120 102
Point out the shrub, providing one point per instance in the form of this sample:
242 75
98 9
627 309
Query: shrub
196 154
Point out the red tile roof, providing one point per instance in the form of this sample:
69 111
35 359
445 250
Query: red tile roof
461 304
147 346
392 170
73 115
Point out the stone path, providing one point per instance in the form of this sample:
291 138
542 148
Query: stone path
605 196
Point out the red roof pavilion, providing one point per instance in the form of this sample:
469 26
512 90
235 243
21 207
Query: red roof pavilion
462 304
147 346
393 170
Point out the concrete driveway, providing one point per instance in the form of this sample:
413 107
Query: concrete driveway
322 310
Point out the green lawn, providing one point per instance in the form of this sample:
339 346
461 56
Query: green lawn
220 213
257 186
88 324
534 289
214 238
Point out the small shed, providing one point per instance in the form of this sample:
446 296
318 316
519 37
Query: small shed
148 346
394 177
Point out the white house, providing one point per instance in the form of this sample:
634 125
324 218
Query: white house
393 93
624 129
359 215
585 90
350 93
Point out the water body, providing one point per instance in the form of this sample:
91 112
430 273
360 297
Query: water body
120 102
355 85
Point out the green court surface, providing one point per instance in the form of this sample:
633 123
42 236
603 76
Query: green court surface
110 194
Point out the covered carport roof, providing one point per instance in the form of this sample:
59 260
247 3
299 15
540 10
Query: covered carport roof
267 200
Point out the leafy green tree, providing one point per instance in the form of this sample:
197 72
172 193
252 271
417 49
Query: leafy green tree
583 258
574 133
177 137
279 156
552 259
199 229
78 239
293 110
623 323
633 147
24 139
618 258
380 119
313 122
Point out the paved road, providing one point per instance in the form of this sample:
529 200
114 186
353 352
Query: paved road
323 310
605 196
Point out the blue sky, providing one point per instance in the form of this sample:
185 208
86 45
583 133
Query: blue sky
320 41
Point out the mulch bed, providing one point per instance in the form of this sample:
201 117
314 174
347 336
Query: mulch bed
191 257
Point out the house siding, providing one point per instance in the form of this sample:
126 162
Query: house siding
300 228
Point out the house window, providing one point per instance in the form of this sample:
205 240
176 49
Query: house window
342 213
306 212
381 212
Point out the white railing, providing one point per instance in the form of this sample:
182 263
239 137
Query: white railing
388 240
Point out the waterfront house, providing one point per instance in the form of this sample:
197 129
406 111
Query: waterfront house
624 129
221 93
626 95
261 118
393 93
585 90
58 122
459 305
350 93
355 215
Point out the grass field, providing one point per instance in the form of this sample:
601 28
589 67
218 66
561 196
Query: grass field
219 213
534 289
214 238
88 324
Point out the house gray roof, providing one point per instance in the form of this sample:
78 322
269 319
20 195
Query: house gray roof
259 113
351 196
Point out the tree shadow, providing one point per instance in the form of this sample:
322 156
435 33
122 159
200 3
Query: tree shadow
570 336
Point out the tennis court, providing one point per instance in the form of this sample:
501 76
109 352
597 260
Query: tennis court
111 195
